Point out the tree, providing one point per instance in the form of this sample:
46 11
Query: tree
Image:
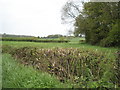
80 25
98 21
113 38
70 11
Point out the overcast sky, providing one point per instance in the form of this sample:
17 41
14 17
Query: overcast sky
31 17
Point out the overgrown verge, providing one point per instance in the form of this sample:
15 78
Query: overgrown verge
16 75
87 69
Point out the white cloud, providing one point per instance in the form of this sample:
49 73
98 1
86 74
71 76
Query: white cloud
31 17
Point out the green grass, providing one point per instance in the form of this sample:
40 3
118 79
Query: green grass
16 75
76 39
73 44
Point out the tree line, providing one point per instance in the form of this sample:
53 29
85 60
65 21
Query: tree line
99 21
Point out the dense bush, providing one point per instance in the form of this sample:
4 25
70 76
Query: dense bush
113 38
90 69
55 36
7 49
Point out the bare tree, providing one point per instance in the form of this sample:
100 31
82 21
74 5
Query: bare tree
71 10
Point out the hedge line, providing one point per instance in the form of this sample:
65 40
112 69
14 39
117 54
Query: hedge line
33 40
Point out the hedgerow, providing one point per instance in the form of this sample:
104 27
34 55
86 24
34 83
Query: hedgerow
85 68
32 39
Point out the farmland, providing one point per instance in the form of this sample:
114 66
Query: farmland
60 44
72 65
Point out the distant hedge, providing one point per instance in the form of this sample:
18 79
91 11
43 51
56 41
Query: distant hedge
32 40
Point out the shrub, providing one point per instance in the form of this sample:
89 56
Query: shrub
33 40
77 65
82 41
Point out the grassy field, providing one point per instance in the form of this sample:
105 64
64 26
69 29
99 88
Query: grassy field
74 43
27 77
